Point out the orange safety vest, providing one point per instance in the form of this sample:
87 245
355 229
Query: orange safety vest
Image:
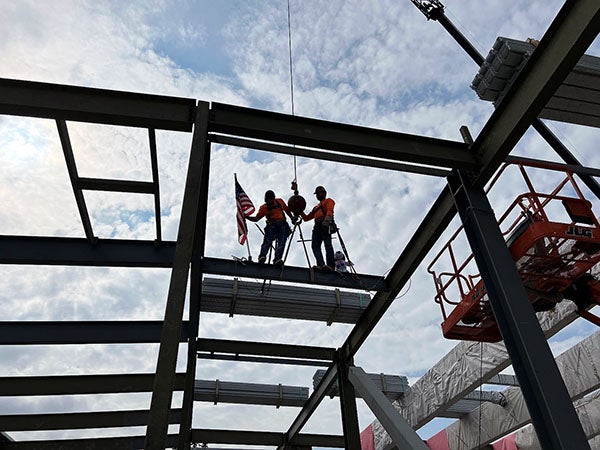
322 209
273 213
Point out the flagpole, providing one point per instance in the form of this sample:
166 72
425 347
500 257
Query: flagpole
245 224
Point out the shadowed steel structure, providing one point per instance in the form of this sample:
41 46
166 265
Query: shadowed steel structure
470 166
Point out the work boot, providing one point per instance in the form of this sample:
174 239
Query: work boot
279 262
262 259
327 268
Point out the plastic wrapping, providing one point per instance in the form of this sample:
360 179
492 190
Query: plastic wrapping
459 373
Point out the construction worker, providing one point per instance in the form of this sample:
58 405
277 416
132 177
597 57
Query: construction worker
323 228
277 228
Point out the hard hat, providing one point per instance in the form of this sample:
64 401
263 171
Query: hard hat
339 256
319 189
269 194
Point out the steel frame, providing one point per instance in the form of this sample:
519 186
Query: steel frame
566 40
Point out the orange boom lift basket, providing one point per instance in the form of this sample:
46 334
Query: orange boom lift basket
554 239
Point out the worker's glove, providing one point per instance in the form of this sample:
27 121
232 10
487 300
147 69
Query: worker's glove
327 221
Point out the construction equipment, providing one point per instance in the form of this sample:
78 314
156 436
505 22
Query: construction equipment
554 239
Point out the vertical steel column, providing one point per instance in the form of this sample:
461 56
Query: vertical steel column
348 407
162 393
185 426
154 164
552 412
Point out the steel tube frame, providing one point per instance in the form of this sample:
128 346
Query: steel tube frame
572 32
396 426
162 394
287 129
80 104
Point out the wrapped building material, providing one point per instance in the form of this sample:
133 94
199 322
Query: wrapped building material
393 386
577 99
217 391
283 301
460 372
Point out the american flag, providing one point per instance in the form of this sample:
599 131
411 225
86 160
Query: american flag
244 208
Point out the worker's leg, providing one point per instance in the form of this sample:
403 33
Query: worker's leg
328 248
281 233
267 241
317 240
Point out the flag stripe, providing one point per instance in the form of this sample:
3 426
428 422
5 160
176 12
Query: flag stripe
244 207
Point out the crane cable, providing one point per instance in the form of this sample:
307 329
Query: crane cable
289 22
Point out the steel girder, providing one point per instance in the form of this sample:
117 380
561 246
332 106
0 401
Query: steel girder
283 128
81 104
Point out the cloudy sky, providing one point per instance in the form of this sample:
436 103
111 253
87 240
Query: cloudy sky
378 64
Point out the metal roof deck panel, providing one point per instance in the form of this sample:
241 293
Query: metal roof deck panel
249 393
282 301
393 386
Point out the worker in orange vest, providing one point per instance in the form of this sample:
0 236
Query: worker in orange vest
277 228
323 228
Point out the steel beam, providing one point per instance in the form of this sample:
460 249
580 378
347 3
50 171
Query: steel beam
348 408
80 384
155 182
81 420
204 436
65 142
80 104
291 274
545 393
33 250
112 443
266 349
83 332
399 430
327 156
263 359
311 405
194 308
98 184
283 128
195 191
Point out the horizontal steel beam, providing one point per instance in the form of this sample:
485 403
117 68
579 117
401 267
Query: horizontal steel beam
291 274
578 169
79 252
80 384
327 156
203 436
265 349
112 443
283 128
84 332
81 104
98 184
80 420
262 359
